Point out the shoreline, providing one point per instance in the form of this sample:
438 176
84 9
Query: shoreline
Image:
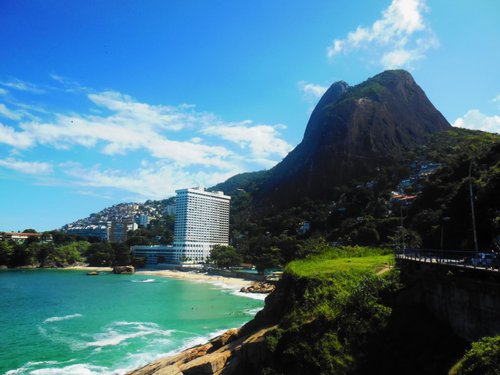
235 284
84 268
195 276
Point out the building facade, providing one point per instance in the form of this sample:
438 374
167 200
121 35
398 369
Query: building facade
100 231
201 222
155 254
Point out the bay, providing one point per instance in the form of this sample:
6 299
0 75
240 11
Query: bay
65 322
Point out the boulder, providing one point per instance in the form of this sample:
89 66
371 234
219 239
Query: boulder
123 269
258 287
225 338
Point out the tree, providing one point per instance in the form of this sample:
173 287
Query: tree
224 256
100 254
6 253
121 254
269 258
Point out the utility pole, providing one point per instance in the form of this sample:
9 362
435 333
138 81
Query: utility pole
472 209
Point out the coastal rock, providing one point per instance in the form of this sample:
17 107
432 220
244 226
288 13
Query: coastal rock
258 287
209 364
123 269
226 354
3 267
225 338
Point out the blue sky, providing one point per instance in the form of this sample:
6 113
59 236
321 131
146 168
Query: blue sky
104 102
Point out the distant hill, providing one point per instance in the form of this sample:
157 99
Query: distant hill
352 133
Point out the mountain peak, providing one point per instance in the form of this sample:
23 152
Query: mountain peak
351 133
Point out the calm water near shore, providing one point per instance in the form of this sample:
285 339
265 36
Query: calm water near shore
65 322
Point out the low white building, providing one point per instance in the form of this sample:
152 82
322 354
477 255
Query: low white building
154 254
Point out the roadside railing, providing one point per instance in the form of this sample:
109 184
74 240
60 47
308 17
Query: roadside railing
482 260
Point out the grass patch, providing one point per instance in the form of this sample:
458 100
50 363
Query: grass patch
343 259
319 267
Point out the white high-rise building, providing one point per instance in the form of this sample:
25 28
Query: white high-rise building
201 221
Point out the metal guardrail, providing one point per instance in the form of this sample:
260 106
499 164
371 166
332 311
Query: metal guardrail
487 261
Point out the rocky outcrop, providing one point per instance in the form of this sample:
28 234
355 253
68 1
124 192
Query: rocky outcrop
258 287
351 134
123 269
229 353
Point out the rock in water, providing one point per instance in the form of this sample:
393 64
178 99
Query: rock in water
123 269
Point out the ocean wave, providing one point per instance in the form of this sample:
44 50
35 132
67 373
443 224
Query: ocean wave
143 281
235 290
198 340
80 369
114 335
259 296
253 311
60 318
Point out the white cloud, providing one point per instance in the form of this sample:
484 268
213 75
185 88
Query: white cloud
180 146
19 85
312 90
8 113
68 84
131 125
476 120
156 181
392 35
3 91
262 140
35 168
13 138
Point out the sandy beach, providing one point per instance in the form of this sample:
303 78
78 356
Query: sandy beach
85 268
194 276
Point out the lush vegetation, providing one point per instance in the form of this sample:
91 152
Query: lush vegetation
157 232
62 251
335 312
43 254
224 256
482 359
362 213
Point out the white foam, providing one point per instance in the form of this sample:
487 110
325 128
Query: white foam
60 318
143 281
80 369
20 370
235 290
253 311
259 296
112 336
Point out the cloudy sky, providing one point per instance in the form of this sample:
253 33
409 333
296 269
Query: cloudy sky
104 102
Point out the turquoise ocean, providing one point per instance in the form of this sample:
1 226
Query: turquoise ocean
65 322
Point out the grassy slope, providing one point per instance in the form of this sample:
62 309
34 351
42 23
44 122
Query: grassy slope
373 263
336 315
333 309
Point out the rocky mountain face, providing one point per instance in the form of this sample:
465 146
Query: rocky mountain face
351 133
